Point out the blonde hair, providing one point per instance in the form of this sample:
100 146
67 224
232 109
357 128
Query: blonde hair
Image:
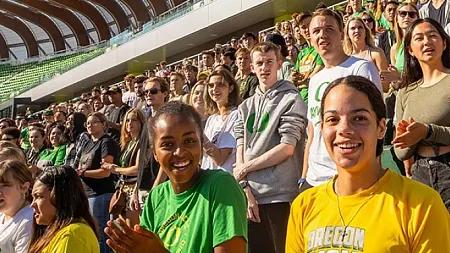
399 36
13 153
348 44
191 97
125 136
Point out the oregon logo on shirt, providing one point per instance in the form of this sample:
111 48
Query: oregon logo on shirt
263 123
307 64
172 231
330 239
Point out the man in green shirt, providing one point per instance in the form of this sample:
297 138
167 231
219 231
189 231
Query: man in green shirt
308 61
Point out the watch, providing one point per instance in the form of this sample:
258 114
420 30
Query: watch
244 184
429 131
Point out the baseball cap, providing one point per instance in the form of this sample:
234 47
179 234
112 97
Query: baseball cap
393 2
48 113
114 89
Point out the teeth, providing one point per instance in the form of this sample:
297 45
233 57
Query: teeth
348 145
181 164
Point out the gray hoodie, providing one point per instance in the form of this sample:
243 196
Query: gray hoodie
266 120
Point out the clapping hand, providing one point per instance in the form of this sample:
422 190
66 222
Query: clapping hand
123 239
109 166
390 75
409 133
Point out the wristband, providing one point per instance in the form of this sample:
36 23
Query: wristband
429 131
244 184
301 181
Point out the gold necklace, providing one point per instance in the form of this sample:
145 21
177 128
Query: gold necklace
344 232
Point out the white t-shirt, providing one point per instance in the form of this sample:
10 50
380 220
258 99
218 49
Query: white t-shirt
321 168
15 234
129 98
220 132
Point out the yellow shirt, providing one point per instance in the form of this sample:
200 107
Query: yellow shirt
395 215
75 238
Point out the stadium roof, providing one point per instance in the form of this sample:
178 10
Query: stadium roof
31 28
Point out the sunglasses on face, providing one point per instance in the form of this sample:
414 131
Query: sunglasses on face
367 20
411 14
152 91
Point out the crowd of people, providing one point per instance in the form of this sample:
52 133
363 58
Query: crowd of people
269 143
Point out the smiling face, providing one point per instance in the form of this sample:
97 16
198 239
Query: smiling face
326 37
219 90
350 128
178 150
55 136
427 44
197 99
44 210
36 139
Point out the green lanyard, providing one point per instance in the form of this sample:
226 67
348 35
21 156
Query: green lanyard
125 154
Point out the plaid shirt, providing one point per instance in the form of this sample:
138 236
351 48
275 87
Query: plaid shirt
74 155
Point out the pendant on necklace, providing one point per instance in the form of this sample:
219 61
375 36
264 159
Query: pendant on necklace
344 234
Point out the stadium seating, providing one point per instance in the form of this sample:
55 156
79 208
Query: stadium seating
15 79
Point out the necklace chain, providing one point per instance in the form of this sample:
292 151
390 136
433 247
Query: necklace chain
344 232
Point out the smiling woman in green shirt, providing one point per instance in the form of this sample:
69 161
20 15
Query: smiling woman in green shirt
198 210
55 155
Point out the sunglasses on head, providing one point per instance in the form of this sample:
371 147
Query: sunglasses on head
411 14
152 91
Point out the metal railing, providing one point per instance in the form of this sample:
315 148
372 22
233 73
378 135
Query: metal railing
267 30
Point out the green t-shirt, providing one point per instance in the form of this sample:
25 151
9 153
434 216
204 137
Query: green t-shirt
383 22
304 94
211 212
400 57
25 139
307 60
56 155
